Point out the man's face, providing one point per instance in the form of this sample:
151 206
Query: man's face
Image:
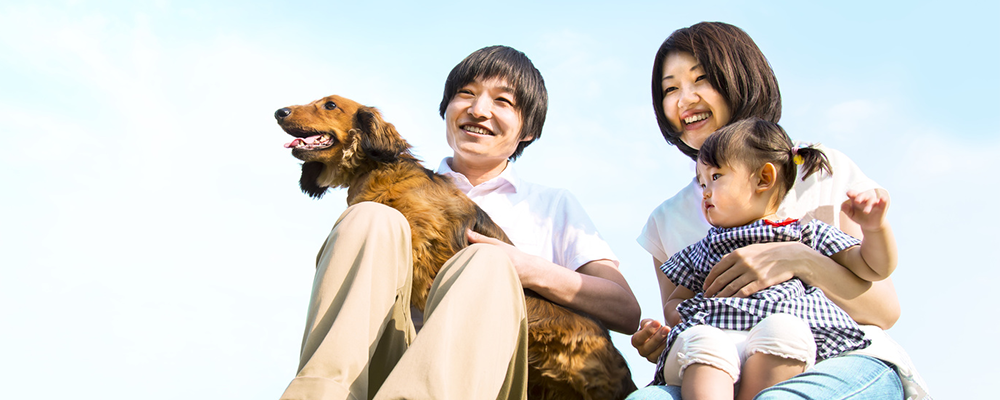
482 123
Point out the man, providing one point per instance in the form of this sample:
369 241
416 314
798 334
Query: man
360 340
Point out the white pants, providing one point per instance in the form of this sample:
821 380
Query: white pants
782 335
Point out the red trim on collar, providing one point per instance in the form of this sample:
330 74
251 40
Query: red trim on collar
787 221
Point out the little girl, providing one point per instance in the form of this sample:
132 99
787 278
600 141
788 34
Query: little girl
745 169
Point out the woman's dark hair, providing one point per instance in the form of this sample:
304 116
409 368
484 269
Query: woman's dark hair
753 142
512 66
735 67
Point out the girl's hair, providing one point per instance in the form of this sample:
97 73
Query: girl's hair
735 67
531 99
753 142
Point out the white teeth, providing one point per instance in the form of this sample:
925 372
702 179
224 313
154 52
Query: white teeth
477 130
695 118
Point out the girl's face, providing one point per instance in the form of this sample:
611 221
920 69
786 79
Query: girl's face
729 195
692 106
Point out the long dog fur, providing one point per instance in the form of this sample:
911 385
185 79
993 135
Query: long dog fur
345 144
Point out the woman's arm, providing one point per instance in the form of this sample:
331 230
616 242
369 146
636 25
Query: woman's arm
755 267
651 339
596 288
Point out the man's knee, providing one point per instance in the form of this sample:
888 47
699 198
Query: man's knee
367 215
494 262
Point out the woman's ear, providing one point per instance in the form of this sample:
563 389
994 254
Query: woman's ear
766 178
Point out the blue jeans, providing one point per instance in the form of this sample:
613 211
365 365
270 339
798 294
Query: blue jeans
844 377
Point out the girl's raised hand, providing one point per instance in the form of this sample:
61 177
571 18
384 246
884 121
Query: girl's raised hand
868 209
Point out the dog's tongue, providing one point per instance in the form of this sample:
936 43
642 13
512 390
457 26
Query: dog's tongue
299 141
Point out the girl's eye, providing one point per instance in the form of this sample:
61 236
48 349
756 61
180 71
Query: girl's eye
330 105
716 176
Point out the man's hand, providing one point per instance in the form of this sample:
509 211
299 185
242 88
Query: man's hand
526 271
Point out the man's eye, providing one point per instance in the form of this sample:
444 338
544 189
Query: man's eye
330 105
505 100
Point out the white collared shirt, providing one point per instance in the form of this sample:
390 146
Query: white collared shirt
543 221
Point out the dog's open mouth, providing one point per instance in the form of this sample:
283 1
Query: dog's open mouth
317 142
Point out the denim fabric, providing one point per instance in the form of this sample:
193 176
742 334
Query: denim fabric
654 392
844 377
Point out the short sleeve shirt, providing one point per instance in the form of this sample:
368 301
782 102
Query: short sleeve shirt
539 220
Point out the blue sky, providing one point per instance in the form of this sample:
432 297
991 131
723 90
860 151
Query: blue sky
154 243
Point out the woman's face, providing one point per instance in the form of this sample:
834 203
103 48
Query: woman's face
692 106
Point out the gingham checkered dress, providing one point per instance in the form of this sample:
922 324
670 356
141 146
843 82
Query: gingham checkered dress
835 332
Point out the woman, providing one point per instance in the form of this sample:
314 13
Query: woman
705 77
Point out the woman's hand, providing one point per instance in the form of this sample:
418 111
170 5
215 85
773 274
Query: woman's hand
753 268
651 339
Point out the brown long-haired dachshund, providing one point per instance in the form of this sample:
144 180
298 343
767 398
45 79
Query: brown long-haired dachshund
345 144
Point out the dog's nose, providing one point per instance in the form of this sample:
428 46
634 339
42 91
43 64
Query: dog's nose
282 113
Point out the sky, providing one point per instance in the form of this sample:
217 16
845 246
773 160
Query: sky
154 243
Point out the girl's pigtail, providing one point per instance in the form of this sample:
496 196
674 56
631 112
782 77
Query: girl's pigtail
811 159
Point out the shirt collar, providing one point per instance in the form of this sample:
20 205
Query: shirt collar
507 179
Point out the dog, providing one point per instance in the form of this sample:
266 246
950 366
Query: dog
344 144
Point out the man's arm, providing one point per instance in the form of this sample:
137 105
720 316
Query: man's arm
596 288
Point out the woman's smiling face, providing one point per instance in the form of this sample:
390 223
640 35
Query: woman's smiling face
692 106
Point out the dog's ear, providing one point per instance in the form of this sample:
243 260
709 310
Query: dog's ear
310 175
379 139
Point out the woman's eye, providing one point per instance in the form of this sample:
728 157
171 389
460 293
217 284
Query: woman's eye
330 105
667 90
701 78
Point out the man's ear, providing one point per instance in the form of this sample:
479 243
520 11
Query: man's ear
766 177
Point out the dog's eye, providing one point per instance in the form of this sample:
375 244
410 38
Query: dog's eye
330 105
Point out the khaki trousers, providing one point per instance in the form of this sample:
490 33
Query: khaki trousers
360 343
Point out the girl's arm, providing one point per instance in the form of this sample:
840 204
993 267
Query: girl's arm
670 313
876 258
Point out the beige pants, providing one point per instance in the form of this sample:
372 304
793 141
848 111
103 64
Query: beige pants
359 339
